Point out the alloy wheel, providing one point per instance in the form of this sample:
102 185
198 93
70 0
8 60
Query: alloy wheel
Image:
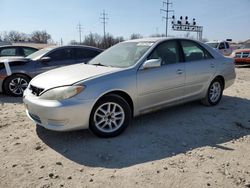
109 117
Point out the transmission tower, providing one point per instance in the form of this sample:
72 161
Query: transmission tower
167 3
80 29
104 18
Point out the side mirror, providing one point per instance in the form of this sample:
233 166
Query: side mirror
151 63
45 59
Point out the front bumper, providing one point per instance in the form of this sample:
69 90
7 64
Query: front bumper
239 61
70 114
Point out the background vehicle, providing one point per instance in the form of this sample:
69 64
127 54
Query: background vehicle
222 46
23 69
129 79
22 51
242 56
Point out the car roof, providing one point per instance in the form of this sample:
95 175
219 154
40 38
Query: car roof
77 46
160 39
16 46
151 39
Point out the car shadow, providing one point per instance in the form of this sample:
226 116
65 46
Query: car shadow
157 135
8 99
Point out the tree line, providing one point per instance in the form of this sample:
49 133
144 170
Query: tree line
92 39
16 36
96 40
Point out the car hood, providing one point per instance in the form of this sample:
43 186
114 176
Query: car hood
69 75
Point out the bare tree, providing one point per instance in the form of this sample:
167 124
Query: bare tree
14 36
40 37
158 35
136 36
73 42
93 39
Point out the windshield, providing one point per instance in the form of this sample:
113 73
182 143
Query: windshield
213 44
122 55
38 54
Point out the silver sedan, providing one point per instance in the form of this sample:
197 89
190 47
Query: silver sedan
129 79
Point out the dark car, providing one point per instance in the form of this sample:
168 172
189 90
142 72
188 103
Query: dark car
22 51
15 73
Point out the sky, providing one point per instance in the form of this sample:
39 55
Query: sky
221 19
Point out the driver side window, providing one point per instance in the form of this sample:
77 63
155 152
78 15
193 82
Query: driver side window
222 46
167 52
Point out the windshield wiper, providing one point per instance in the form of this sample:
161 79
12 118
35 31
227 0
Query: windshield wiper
99 64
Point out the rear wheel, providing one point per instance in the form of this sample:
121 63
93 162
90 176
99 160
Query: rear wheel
16 84
214 93
110 116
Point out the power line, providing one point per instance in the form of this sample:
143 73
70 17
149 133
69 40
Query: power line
104 18
80 29
167 11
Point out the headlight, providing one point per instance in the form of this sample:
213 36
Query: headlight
61 93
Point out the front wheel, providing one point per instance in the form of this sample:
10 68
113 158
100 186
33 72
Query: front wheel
214 93
16 84
110 116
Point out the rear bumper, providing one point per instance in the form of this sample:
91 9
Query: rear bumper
55 115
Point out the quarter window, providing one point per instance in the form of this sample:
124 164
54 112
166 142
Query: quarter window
28 51
194 52
167 52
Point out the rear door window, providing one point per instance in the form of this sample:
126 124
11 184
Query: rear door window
84 53
193 51
62 54
28 51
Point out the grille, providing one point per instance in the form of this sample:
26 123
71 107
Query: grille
242 54
245 54
36 90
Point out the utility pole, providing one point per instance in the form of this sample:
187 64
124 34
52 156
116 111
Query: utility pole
167 11
104 18
80 28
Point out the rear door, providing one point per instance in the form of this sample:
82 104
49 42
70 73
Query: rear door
199 65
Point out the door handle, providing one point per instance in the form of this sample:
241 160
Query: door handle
179 71
212 65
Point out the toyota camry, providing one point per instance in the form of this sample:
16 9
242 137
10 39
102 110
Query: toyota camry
129 79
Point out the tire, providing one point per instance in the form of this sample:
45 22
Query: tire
110 116
214 93
16 84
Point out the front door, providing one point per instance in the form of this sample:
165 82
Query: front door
164 84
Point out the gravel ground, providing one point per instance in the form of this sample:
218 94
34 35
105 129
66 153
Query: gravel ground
185 146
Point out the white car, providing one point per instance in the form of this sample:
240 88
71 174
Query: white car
222 46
